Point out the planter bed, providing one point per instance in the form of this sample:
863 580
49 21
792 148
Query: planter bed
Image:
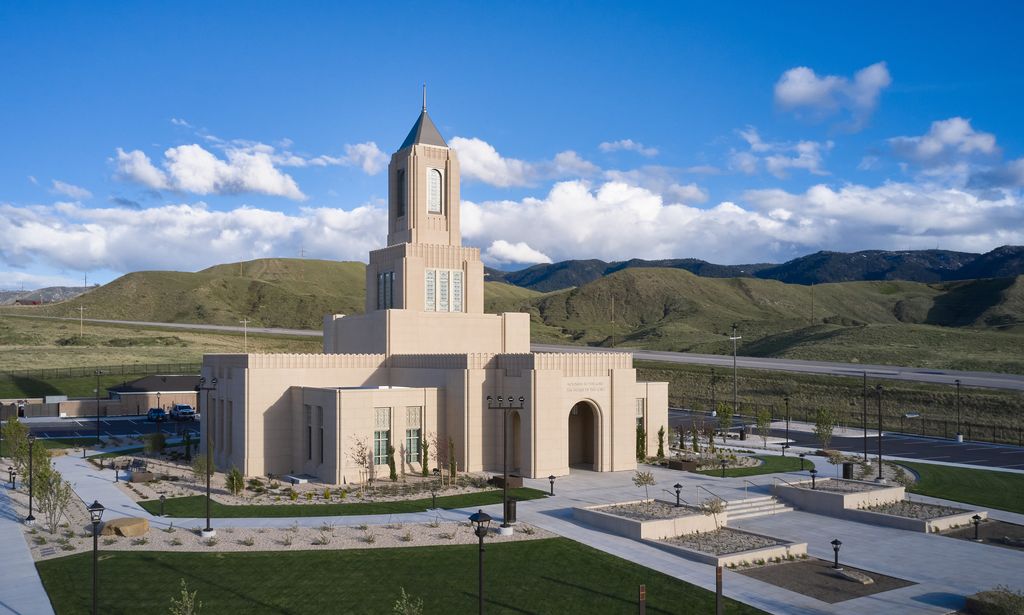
834 496
727 546
646 519
915 516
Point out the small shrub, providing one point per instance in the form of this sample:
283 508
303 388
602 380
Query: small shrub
175 542
406 605
342 494
211 542
293 495
142 540
287 541
39 540
447 535
169 529
394 526
327 527
294 528
327 493
528 530
406 537
109 541
434 523
67 546
248 541
370 538
363 526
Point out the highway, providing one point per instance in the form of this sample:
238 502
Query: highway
914 374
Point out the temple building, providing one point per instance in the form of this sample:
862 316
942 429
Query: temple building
420 363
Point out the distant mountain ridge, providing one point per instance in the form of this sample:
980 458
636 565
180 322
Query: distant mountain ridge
49 294
928 266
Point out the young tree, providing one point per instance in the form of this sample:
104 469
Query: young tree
725 416
835 458
187 603
188 447
200 468
392 474
645 480
362 457
764 424
425 463
156 443
234 481
54 496
453 467
661 442
696 439
641 442
824 424
714 507
441 454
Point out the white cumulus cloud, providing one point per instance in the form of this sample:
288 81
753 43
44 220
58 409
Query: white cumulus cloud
480 161
801 88
628 145
503 252
944 141
778 157
70 190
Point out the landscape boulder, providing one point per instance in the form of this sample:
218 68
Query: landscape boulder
128 527
142 477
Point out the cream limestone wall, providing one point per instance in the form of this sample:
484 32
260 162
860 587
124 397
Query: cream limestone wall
409 261
418 226
395 332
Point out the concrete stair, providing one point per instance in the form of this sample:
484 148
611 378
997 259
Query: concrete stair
755 507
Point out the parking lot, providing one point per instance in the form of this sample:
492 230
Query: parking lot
121 426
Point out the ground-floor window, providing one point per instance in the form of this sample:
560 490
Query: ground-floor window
381 435
412 445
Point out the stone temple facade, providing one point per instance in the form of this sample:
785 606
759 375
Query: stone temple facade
420 363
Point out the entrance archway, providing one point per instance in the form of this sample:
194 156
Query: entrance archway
583 432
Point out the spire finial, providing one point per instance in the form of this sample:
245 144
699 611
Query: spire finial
424 97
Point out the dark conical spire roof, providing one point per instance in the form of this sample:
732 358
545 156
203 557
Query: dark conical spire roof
424 131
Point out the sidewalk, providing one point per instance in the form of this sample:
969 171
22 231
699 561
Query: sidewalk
21 591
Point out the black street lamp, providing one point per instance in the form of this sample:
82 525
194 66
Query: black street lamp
95 515
723 463
678 489
977 522
10 475
481 522
959 435
98 373
814 474
501 405
551 481
835 547
207 418
802 461
163 500
878 391
864 417
433 498
29 520
786 398
735 404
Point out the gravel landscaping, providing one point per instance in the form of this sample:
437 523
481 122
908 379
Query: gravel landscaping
815 578
837 485
915 510
723 541
648 511
992 532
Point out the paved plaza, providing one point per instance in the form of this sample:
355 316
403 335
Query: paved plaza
942 570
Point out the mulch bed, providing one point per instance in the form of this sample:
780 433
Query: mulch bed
815 578
992 532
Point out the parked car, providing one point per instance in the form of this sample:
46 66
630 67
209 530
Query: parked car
156 414
183 412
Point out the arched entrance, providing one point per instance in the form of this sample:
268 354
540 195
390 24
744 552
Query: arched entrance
583 432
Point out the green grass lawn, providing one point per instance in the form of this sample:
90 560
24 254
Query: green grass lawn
1001 490
57 443
195 506
538 576
770 465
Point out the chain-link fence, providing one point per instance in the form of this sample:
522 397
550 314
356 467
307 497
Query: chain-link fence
125 369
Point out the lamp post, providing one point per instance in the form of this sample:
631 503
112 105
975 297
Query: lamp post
481 522
98 373
835 547
784 447
878 391
551 481
734 338
976 519
864 417
29 520
678 489
814 474
163 500
501 405
433 498
959 434
207 418
10 475
723 463
786 398
96 515
802 460
714 402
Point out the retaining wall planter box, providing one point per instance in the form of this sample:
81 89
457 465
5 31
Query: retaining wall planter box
679 464
782 550
824 502
937 524
687 522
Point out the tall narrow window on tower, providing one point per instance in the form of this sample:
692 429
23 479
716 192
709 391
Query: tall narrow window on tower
442 303
400 191
456 291
431 294
434 204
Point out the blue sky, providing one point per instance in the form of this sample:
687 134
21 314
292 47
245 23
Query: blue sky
178 136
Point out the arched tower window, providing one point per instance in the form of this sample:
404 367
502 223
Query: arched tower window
434 192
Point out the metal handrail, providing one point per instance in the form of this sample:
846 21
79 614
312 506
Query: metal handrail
745 492
699 487
775 478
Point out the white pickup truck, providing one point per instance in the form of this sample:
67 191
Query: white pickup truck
183 412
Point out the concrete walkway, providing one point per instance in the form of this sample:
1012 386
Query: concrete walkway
21 590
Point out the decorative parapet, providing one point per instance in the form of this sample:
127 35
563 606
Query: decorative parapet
313 361
582 364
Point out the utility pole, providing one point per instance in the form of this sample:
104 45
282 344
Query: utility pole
81 318
734 338
245 335
959 434
812 303
714 402
613 321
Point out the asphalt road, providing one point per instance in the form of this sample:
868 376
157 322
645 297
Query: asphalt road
940 376
896 445
85 427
